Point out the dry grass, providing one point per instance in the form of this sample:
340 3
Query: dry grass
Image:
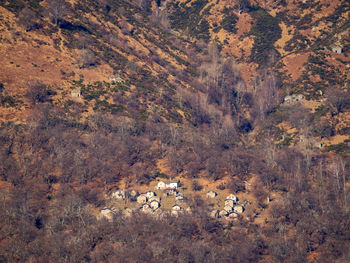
286 36
295 64
311 104
335 139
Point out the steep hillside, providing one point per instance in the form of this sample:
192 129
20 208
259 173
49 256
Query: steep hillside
161 46
248 99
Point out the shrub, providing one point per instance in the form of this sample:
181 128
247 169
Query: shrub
338 100
236 185
287 141
190 18
161 175
14 5
221 186
266 31
202 30
245 126
229 21
322 128
304 22
196 186
341 148
8 101
297 42
39 93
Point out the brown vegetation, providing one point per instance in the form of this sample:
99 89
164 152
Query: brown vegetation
162 98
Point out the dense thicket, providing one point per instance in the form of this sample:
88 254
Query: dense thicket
56 171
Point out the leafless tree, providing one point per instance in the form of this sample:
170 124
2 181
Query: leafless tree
266 94
57 10
338 99
38 92
337 169
159 17
270 150
175 159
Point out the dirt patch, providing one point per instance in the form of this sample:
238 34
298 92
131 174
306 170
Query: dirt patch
163 166
243 24
23 63
295 64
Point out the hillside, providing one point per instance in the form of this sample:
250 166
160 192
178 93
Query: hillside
244 98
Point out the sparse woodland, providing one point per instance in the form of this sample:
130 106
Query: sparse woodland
186 101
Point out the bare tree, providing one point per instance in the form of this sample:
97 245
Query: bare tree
57 10
38 92
337 169
159 17
175 160
270 150
266 94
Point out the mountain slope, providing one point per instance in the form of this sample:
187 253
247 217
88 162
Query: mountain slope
239 97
